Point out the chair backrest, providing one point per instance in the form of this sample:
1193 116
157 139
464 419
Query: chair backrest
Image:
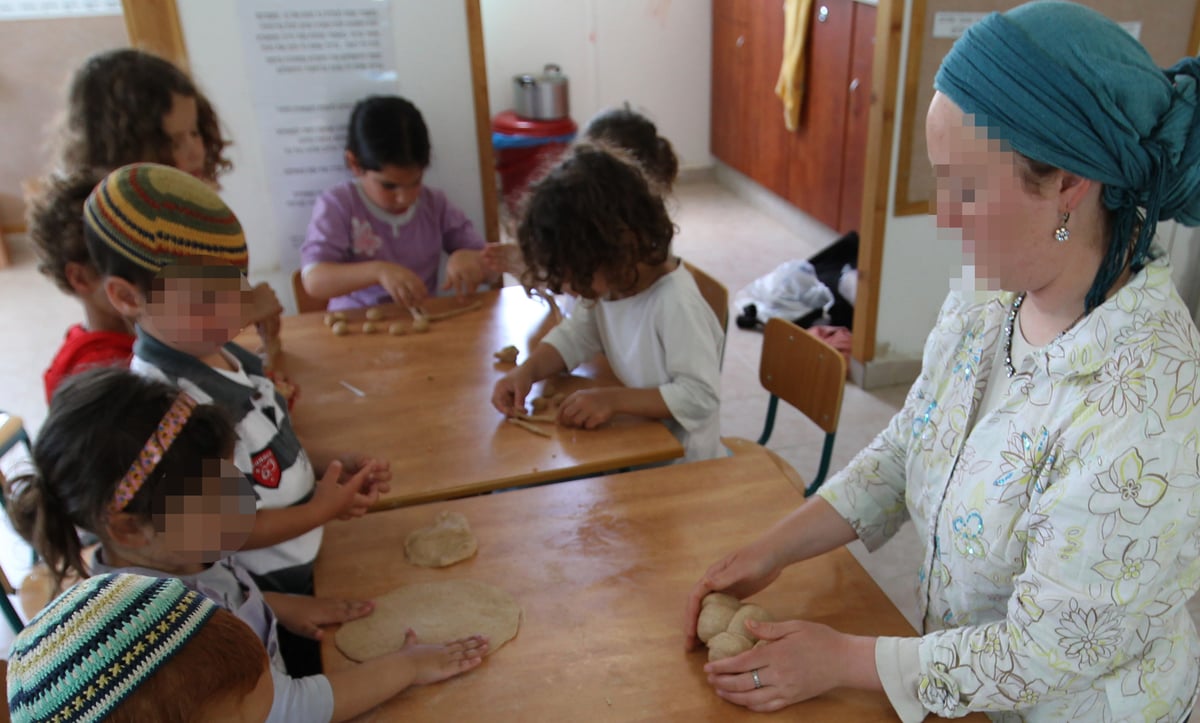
803 371
304 302
714 292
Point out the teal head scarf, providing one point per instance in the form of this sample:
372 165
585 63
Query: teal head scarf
1066 86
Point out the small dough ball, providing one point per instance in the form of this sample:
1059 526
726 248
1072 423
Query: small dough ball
369 327
727 645
397 329
737 624
713 619
374 314
720 598
507 355
330 319
340 328
420 324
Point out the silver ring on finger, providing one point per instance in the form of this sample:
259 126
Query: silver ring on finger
757 682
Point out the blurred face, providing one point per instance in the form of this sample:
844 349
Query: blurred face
182 126
394 188
196 308
211 520
1006 230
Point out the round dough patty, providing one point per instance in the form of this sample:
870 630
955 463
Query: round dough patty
438 612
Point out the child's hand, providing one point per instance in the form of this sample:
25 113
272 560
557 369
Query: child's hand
305 615
401 284
503 259
464 271
380 475
433 663
587 408
344 500
263 308
508 396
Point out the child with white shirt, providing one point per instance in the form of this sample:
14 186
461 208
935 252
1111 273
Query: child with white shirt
594 228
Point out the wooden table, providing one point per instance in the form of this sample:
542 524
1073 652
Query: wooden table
427 402
602 568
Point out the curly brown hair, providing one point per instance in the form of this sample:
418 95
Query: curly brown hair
595 212
54 220
637 134
115 108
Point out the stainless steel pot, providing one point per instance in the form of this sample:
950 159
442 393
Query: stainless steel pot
541 97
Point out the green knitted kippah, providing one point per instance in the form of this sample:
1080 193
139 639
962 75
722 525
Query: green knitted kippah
156 215
97 642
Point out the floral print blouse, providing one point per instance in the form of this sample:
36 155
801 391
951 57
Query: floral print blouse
1061 531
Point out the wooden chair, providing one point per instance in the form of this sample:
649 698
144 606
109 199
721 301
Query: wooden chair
12 433
717 296
808 374
304 302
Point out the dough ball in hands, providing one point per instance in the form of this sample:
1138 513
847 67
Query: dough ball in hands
720 598
727 645
714 619
749 611
447 541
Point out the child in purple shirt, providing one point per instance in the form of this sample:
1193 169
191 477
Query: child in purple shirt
379 237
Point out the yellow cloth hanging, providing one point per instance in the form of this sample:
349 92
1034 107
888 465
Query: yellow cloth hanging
790 86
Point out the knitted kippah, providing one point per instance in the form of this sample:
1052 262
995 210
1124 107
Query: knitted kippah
97 642
155 215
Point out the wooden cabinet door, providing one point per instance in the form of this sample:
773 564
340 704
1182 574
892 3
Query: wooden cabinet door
858 111
768 138
815 156
730 118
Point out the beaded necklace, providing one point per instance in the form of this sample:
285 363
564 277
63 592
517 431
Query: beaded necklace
1008 332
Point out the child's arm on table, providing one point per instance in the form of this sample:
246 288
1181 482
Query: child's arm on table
589 408
327 279
331 499
508 396
306 615
361 688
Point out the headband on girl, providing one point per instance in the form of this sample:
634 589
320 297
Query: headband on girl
153 451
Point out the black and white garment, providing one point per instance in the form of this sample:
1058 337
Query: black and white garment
267 451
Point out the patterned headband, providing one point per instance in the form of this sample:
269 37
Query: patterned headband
153 451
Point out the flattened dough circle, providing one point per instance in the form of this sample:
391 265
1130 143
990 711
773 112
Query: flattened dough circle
438 612
447 541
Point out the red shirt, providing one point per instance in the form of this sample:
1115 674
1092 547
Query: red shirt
85 349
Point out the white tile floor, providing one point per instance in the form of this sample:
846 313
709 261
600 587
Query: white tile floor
719 232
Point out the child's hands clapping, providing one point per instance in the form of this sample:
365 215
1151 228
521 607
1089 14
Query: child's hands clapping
587 408
401 284
306 615
432 663
380 476
344 500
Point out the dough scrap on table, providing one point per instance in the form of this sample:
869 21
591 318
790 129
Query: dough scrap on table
507 355
447 541
438 612
529 427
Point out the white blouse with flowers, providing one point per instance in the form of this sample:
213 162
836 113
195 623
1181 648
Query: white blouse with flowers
1061 529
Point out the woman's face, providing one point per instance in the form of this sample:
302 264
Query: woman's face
1006 230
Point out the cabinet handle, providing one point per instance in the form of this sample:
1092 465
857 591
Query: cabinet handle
854 85
740 41
822 13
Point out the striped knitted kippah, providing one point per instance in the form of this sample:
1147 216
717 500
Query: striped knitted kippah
155 215
97 642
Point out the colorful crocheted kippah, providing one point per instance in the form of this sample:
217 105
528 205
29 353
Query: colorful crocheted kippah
155 215
97 642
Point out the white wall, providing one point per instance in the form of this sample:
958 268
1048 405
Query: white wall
433 63
656 54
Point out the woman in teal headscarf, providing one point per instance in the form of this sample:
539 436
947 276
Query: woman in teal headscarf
1047 454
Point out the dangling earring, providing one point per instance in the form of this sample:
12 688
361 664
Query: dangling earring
1062 233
